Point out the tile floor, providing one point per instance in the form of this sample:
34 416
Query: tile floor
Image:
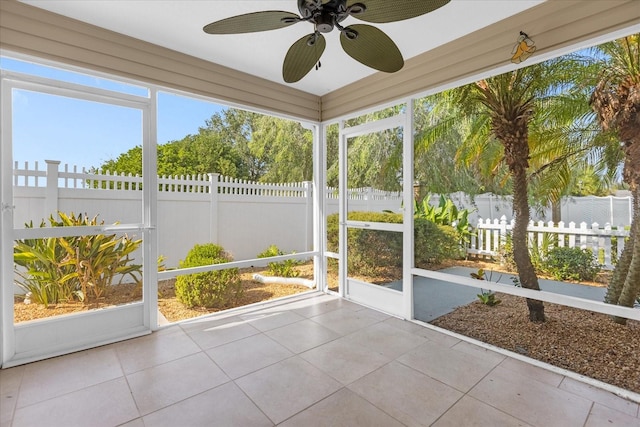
315 360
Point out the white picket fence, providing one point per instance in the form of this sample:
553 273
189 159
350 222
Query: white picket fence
606 243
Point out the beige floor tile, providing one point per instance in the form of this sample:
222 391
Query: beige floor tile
344 360
452 367
405 394
480 352
144 352
534 402
342 409
469 412
248 355
438 337
288 387
267 320
604 416
134 423
212 333
225 405
106 404
54 377
600 396
319 304
10 380
386 340
166 384
345 321
534 372
404 325
302 336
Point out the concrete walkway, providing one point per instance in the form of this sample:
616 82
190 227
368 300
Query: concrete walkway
434 298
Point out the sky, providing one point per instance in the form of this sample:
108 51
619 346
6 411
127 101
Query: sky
85 133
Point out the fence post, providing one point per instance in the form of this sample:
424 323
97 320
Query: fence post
308 193
368 195
213 193
51 194
503 232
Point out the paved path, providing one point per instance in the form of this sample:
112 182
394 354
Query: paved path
434 298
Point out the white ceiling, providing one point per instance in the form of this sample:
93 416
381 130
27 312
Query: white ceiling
178 25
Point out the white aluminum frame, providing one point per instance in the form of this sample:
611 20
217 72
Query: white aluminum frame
397 303
30 341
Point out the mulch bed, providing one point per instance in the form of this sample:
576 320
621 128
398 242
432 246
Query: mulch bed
581 341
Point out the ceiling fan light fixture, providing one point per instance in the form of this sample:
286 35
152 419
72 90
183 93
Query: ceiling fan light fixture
365 43
324 22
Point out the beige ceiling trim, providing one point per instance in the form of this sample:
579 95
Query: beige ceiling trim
554 25
33 31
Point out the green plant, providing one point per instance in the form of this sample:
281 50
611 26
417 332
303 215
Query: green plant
446 213
481 274
488 298
571 264
211 289
539 249
78 267
284 268
373 251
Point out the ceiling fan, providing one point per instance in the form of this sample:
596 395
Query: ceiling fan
364 43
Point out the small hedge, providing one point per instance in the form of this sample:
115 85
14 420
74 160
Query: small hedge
282 268
373 250
212 289
571 264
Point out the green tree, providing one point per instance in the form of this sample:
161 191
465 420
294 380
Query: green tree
446 165
283 148
616 101
522 119
234 143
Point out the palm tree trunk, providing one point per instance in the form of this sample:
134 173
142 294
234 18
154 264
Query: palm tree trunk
526 271
629 290
631 286
622 267
556 211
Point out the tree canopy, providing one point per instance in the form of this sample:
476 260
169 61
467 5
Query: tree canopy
234 143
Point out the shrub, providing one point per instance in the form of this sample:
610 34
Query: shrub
282 268
446 213
571 264
211 289
371 251
59 269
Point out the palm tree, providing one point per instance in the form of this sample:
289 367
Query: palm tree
527 111
616 101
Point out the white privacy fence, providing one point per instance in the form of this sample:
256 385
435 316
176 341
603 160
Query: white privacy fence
589 209
606 243
246 217
243 217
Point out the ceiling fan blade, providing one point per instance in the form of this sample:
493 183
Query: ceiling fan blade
252 22
371 47
380 11
302 56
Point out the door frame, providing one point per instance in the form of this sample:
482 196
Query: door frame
30 341
398 303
